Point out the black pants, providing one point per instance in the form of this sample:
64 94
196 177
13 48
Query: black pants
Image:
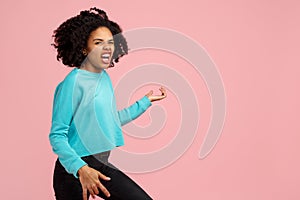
121 187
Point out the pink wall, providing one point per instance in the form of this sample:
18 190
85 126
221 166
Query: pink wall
255 46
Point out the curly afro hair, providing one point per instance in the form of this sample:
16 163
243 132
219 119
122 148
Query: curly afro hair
71 37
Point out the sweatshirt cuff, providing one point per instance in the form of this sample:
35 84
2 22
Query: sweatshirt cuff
145 102
77 165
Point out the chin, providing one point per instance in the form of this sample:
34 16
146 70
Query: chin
105 66
102 66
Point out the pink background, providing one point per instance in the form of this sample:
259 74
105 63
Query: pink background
255 45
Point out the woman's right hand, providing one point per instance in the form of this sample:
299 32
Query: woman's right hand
89 179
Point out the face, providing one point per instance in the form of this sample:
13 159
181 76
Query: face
100 48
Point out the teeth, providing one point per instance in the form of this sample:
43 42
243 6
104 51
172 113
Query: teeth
105 55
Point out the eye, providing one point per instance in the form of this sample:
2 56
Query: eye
98 43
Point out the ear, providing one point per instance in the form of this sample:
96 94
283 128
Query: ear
84 52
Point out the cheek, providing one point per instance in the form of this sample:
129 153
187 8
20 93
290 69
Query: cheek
112 48
94 55
96 50
91 47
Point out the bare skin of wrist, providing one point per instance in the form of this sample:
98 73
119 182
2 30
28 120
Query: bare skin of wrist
90 181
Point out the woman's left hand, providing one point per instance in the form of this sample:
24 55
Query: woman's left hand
157 97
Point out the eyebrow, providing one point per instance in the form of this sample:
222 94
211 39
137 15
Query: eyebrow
102 39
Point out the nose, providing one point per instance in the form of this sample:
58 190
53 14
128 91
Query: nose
107 47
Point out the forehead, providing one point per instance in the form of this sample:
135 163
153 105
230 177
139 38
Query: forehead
101 33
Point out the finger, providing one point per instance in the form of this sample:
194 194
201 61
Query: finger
150 93
84 193
102 176
163 93
95 189
91 192
104 190
163 89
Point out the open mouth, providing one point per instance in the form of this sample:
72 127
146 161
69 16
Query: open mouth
105 58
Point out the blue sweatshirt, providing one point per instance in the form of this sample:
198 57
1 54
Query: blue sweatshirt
85 119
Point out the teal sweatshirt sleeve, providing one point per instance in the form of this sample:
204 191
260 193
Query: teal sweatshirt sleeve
61 119
130 113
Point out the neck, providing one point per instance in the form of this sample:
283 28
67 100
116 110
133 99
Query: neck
90 68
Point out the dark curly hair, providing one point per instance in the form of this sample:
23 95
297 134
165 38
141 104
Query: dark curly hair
71 37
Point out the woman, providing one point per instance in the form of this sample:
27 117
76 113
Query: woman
86 125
